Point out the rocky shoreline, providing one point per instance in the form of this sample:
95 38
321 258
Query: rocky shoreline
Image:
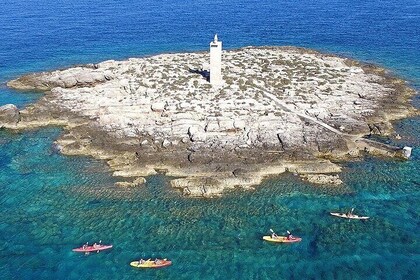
280 109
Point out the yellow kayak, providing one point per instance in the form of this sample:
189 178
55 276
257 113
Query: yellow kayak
151 264
282 239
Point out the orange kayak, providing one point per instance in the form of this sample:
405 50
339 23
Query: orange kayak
151 264
282 239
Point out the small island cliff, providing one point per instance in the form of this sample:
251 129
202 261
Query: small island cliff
279 109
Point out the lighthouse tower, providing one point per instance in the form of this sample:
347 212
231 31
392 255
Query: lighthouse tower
216 62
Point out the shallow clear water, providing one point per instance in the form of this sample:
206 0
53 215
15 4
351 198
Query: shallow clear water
50 203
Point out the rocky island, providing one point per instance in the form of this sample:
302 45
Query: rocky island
278 109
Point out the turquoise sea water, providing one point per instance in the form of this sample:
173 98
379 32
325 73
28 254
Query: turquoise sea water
51 203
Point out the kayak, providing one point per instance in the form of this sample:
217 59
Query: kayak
151 264
91 248
352 216
282 239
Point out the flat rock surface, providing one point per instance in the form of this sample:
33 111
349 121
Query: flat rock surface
9 115
278 105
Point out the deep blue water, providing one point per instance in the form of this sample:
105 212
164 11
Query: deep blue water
50 203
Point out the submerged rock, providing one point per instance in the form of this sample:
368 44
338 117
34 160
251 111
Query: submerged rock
322 179
137 182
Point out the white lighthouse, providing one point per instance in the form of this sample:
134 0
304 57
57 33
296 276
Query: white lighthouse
216 62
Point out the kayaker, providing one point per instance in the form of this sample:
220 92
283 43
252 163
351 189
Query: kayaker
289 235
95 245
141 261
274 235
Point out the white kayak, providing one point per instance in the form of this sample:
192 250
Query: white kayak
349 216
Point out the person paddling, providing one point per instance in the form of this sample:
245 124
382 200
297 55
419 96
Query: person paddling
289 235
273 234
350 213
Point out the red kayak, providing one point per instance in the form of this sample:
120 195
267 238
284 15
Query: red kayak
92 248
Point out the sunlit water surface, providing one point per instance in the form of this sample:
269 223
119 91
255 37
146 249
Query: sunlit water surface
50 203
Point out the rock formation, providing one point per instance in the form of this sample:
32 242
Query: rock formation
279 109
9 115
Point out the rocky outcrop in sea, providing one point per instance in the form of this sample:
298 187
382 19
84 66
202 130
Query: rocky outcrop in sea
280 109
